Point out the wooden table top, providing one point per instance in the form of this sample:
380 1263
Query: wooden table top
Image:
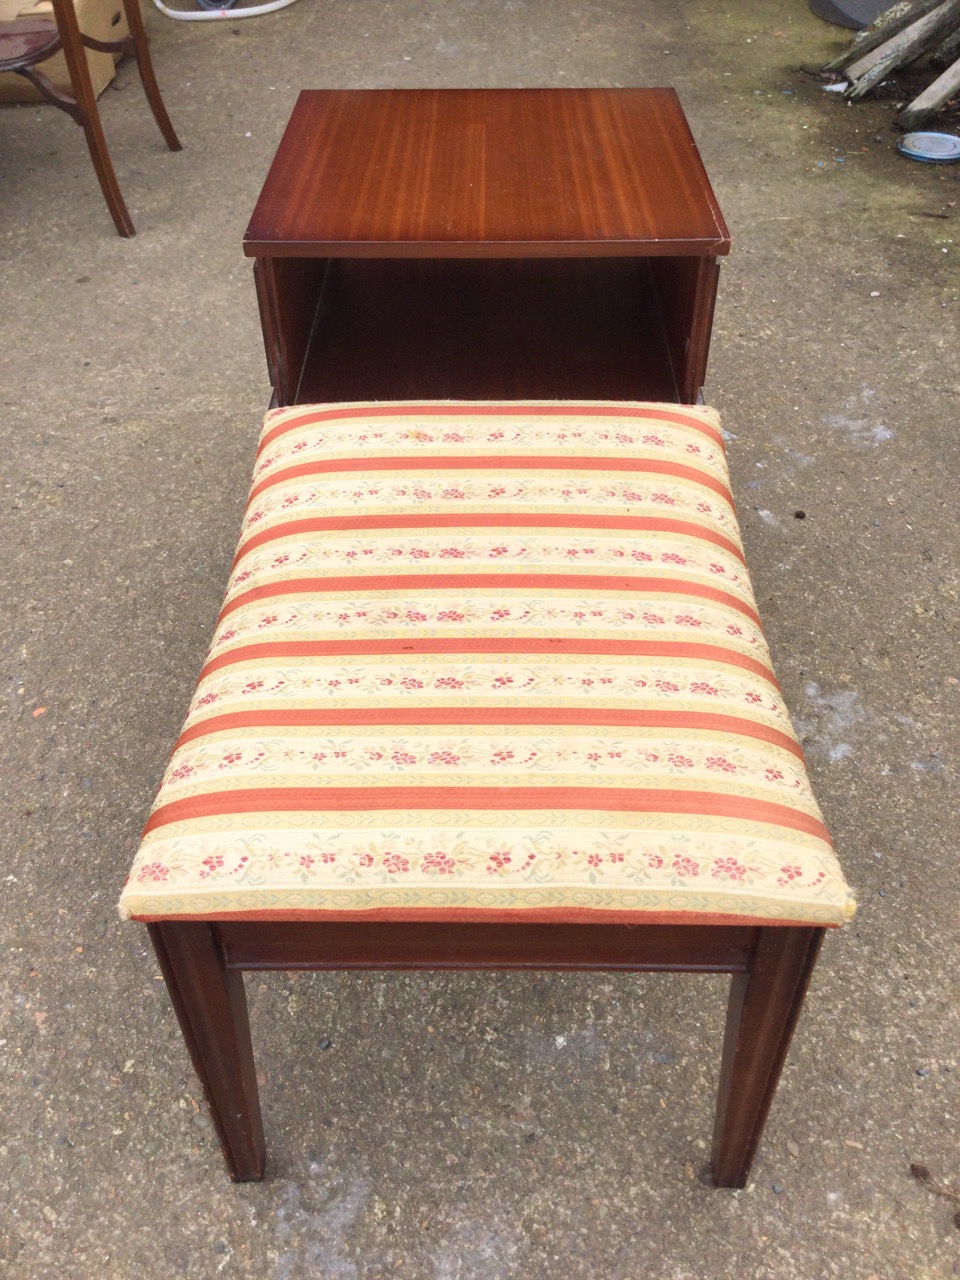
499 173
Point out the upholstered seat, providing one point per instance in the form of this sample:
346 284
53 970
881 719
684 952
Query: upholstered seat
489 662
488 690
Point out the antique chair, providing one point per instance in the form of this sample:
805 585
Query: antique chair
26 42
488 690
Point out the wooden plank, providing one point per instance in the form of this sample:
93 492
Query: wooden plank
932 99
371 944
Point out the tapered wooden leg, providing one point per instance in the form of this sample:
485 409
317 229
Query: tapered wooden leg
764 1006
212 1008
145 67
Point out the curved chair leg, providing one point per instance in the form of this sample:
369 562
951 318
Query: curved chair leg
147 76
88 117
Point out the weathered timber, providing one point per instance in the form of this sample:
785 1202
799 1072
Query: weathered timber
932 98
880 31
907 47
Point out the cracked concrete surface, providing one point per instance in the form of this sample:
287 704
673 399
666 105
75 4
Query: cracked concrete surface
453 1127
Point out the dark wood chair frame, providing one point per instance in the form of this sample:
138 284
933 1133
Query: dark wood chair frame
82 105
202 963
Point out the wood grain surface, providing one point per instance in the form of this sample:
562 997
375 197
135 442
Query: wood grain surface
487 173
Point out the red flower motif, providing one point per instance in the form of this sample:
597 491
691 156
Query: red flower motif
451 553
213 863
717 568
773 775
450 615
365 860
667 686
182 771
654 619
499 861
440 863
664 499
449 682
753 697
701 686
594 859
641 555
396 864
721 762
680 762
671 557
153 871
443 757
728 868
687 620
403 757
685 867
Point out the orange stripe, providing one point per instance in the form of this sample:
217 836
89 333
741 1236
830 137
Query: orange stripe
508 520
279 649
400 582
583 717
372 799
465 409
495 462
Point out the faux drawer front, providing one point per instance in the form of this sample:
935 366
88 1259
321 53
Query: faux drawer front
489 662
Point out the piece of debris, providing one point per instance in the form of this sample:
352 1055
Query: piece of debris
923 1174
933 148
926 33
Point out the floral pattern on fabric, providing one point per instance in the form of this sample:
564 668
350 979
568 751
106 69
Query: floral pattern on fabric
454 673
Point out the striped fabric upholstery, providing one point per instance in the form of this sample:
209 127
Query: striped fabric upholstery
489 662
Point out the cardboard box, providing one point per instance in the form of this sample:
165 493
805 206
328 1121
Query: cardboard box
103 19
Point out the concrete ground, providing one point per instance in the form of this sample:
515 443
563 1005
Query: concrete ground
488 1126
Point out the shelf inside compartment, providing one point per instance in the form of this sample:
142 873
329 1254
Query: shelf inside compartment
487 329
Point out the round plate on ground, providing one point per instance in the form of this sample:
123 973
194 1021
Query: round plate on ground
936 148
